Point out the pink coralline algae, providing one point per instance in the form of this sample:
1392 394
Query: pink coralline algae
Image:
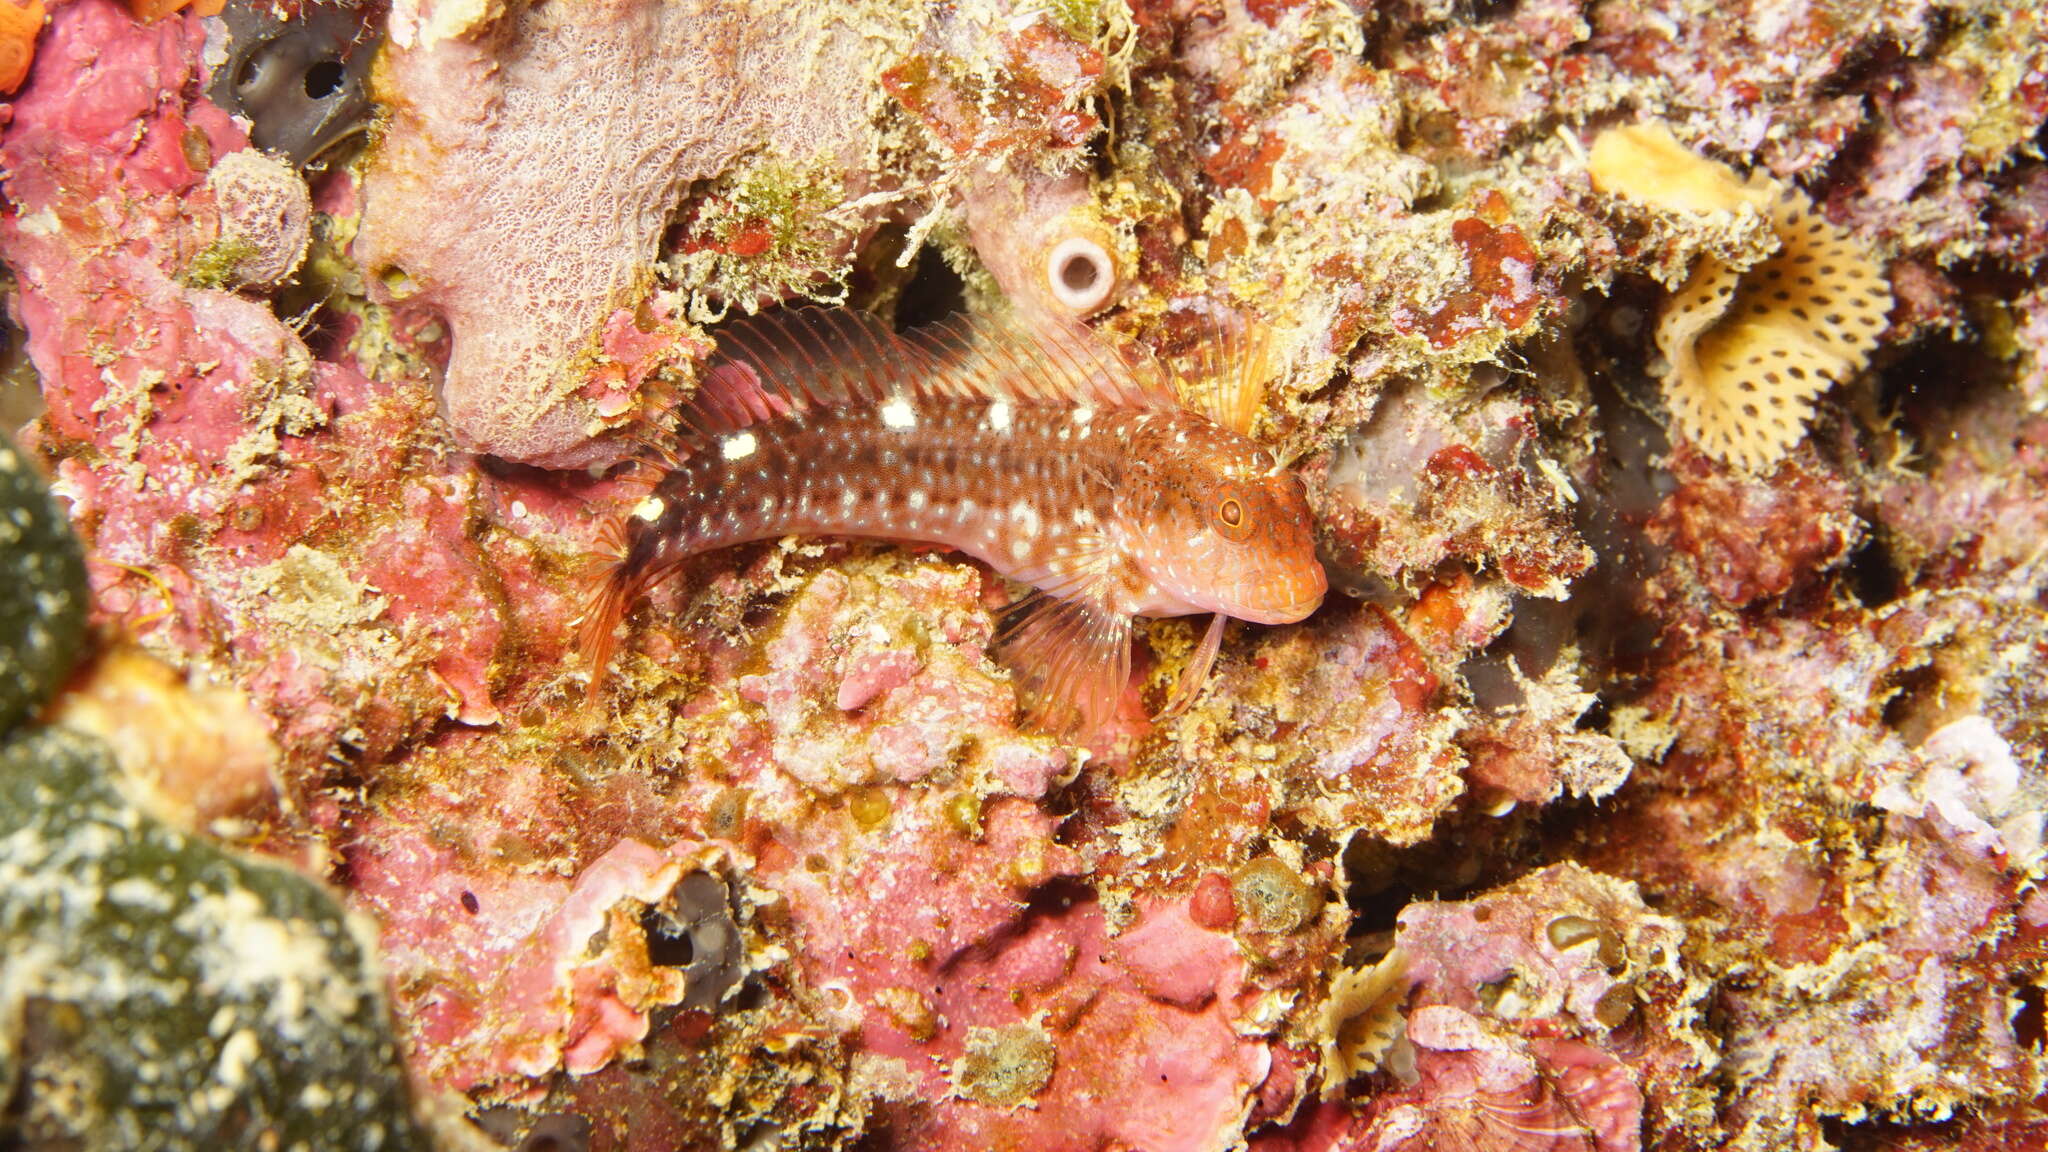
1617 798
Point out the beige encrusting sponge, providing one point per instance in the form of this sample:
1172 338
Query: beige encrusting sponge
1750 352
1646 164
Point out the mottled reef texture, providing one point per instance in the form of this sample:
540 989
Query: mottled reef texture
1631 792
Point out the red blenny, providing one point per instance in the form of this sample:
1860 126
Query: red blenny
1059 464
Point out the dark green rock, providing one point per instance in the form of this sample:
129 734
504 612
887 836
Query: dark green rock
42 590
159 992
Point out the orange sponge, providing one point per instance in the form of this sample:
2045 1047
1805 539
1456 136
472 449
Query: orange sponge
20 24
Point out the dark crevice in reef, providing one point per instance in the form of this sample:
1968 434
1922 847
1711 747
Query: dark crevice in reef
1874 577
1877 1135
1470 852
2030 1021
933 292
668 943
1397 24
1915 692
1929 382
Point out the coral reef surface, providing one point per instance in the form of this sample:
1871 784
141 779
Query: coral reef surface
1668 381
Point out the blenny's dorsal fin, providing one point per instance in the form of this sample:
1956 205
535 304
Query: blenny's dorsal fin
797 359
1070 365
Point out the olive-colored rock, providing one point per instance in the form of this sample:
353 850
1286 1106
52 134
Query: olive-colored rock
159 992
43 594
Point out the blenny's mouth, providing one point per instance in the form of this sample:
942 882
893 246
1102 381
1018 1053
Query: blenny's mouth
1282 598
1287 613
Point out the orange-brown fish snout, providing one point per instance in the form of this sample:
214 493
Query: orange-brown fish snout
1290 591
1285 582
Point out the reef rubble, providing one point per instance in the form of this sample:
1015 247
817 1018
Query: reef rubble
1669 382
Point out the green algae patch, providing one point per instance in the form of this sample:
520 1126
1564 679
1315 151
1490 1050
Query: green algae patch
219 264
158 992
43 595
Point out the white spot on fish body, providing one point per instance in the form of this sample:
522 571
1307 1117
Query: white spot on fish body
917 499
1026 517
848 498
999 416
898 414
1082 415
739 446
649 509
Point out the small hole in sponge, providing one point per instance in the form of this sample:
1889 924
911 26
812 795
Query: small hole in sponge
668 943
324 78
249 74
1079 274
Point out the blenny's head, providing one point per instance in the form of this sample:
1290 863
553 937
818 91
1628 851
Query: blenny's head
1216 524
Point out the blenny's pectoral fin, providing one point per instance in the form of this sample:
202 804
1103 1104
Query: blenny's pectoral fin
1196 672
1071 660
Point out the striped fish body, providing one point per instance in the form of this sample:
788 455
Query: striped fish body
1049 464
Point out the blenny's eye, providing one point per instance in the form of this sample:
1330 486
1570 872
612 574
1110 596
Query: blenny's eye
1231 519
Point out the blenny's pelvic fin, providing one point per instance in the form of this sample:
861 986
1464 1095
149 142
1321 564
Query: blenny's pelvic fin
1071 660
1195 672
618 586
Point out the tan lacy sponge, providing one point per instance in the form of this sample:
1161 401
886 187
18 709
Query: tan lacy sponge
1749 349
1750 352
1362 1022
